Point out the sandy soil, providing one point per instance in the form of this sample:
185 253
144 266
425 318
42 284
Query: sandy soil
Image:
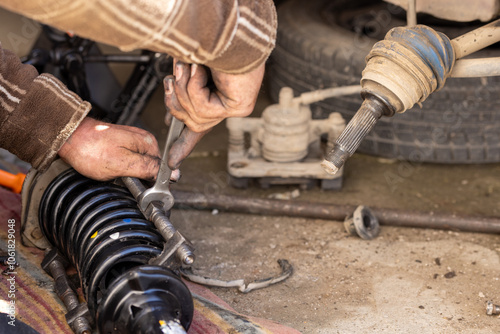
406 280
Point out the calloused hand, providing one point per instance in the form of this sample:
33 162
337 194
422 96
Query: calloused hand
104 151
189 98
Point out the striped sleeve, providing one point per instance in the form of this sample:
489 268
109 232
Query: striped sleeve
233 36
37 112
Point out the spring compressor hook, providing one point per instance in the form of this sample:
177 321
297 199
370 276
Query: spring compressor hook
127 265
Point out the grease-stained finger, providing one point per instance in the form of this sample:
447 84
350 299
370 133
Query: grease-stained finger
183 146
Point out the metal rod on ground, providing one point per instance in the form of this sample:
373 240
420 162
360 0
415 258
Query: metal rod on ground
391 217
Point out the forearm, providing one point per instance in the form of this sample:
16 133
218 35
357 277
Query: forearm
226 35
37 112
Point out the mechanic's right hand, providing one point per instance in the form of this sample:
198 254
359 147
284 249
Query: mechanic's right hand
103 151
189 99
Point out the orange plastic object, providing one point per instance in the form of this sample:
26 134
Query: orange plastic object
12 181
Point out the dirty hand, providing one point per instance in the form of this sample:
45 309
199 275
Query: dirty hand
104 151
189 98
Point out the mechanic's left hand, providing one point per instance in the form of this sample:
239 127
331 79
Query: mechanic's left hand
103 151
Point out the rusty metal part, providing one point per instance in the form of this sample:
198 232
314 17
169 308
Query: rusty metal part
349 140
176 243
286 271
285 143
492 309
285 134
403 70
390 217
78 316
362 223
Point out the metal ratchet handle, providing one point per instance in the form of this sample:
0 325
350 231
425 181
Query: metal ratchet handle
160 191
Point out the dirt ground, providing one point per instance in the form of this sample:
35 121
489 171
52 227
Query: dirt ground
406 280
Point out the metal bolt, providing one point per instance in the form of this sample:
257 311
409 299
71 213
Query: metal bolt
492 309
362 223
37 233
189 260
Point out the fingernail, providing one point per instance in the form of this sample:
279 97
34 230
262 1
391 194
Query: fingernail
165 85
178 71
194 67
169 86
176 176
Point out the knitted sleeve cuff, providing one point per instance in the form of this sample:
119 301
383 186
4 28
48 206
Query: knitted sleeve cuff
42 121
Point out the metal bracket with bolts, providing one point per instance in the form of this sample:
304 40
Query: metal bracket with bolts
285 143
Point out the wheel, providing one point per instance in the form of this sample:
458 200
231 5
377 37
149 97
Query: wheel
323 43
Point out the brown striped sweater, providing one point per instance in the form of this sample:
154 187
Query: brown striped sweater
38 113
233 36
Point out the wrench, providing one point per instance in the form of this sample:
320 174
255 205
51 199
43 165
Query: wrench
160 191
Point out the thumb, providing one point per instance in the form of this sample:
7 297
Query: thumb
183 146
143 166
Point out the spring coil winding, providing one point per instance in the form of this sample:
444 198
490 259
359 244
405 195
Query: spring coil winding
101 231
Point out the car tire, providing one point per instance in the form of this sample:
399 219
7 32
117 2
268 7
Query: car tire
317 49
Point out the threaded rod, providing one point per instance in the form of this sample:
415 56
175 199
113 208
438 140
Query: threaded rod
349 140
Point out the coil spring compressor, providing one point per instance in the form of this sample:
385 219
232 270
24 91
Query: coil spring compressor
127 265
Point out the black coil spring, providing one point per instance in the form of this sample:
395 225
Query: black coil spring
99 228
